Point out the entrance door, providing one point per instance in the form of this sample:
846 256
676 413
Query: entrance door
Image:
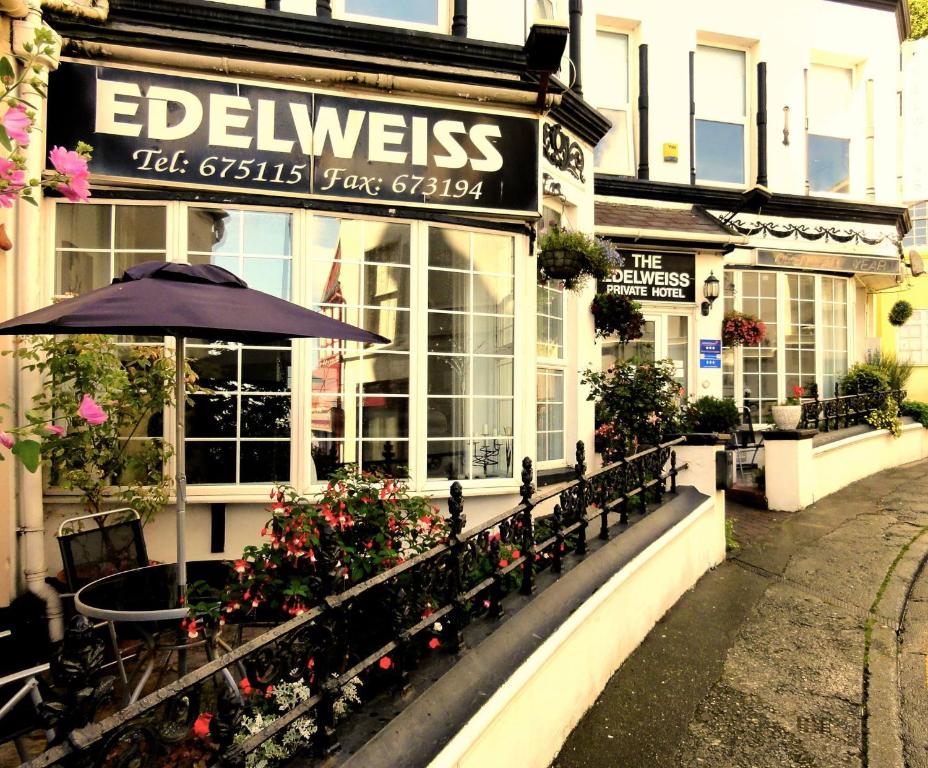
665 337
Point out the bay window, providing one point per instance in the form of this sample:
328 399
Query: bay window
549 385
806 317
240 433
438 401
831 120
721 114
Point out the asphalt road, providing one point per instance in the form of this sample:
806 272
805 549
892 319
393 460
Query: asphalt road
786 654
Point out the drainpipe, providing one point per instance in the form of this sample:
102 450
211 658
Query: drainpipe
28 297
98 10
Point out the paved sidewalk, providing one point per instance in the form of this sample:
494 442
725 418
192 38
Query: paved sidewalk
786 654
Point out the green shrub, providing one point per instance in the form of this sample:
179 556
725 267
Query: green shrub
710 414
886 417
637 403
915 409
897 371
864 377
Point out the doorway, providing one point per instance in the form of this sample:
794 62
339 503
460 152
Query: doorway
665 337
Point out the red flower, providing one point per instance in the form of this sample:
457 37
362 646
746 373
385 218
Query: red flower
386 662
201 726
503 563
434 643
516 554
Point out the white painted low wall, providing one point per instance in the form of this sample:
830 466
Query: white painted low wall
569 670
799 474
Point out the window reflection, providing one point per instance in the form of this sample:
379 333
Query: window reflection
242 433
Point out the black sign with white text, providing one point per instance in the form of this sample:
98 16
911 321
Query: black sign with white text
155 128
653 277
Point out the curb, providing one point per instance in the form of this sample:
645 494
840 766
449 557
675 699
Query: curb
881 715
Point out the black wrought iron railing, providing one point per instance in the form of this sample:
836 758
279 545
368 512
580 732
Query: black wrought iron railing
844 409
349 633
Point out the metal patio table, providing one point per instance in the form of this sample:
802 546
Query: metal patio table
148 598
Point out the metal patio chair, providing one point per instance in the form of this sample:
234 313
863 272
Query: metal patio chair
747 443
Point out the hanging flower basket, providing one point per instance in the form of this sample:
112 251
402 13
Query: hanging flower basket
900 313
615 315
561 264
574 256
742 330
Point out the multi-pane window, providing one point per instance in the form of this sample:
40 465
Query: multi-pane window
760 364
918 235
96 243
360 274
834 332
550 422
642 349
721 114
912 338
549 395
799 331
437 399
830 97
607 89
418 12
240 431
806 316
471 310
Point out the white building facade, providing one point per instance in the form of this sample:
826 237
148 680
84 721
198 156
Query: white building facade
389 163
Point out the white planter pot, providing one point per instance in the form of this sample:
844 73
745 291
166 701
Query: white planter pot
787 416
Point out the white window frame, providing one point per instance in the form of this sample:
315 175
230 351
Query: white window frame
618 106
919 321
301 387
443 26
558 365
782 394
744 122
851 124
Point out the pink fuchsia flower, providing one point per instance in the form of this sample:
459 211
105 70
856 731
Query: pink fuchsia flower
54 429
90 412
17 124
6 439
73 167
201 726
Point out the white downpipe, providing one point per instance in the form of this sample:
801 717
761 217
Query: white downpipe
98 10
29 296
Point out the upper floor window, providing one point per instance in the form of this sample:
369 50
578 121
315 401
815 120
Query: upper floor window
830 99
918 235
607 89
424 13
721 114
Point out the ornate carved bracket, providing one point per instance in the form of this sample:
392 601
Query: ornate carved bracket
561 152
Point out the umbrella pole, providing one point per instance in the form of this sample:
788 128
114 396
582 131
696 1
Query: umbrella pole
180 459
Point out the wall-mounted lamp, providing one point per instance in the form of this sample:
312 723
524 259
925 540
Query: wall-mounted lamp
710 289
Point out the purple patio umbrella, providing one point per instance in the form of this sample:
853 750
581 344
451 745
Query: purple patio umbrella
158 298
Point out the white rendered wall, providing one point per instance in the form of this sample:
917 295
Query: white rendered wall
798 475
573 666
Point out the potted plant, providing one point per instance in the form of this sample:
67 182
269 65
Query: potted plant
572 257
740 329
900 313
615 315
788 414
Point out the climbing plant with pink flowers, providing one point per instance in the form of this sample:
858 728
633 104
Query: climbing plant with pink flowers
19 96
